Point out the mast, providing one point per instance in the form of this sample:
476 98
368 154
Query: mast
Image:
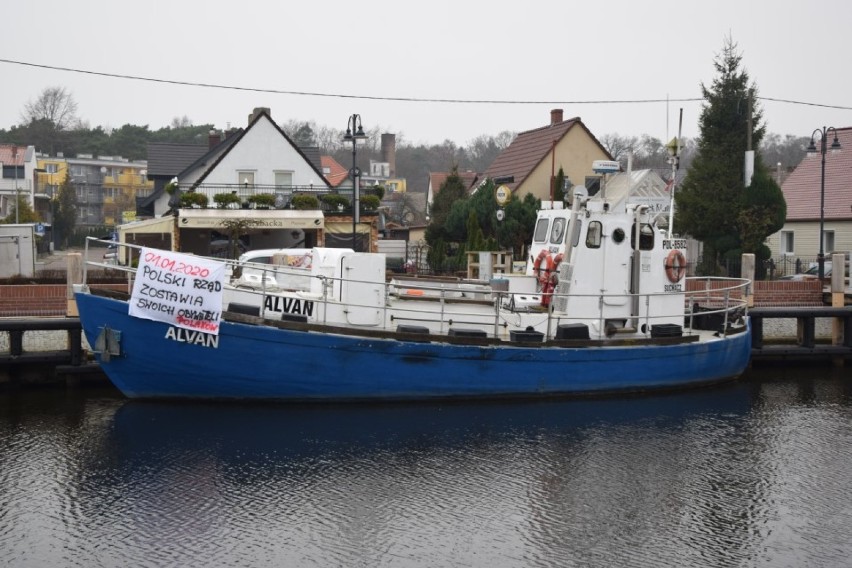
674 148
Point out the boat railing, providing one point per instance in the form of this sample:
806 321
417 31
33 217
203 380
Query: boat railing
448 304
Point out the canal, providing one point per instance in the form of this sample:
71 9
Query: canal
756 473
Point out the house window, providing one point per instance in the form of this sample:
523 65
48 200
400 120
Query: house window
78 171
828 240
283 179
245 178
788 245
51 168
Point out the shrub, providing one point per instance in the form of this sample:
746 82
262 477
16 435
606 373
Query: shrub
192 198
378 191
334 201
263 200
370 202
223 200
304 202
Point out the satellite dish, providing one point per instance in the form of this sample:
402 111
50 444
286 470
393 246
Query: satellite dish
580 191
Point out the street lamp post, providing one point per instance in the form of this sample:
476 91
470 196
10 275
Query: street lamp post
835 145
355 134
17 189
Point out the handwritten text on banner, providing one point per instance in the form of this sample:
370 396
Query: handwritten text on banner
179 289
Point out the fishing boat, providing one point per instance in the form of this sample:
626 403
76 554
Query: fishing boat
604 306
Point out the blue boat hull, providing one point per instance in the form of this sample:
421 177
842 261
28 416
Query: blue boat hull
259 362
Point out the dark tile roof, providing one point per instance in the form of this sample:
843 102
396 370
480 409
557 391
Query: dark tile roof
529 148
312 153
166 159
802 187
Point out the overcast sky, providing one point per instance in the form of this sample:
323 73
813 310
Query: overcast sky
543 54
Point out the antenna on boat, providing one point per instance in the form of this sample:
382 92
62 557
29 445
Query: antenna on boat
674 147
605 167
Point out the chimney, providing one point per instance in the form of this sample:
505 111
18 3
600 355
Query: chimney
555 116
389 152
257 111
213 138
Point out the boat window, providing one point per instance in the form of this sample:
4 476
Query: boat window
646 237
575 238
593 235
618 235
540 235
557 234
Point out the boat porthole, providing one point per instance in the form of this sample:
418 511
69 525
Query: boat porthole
618 235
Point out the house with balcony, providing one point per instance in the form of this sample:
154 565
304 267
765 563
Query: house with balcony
797 244
106 187
18 170
244 167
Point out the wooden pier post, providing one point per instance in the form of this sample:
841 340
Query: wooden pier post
838 300
748 272
74 276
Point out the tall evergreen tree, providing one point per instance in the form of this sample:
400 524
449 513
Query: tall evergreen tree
713 205
65 208
451 190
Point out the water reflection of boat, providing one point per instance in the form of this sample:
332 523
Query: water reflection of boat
238 431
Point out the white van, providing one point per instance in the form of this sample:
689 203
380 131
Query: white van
292 256
296 276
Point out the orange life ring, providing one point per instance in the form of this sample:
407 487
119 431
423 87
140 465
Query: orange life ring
675 266
554 274
542 266
550 278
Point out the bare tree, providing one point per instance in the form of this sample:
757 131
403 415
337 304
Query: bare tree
181 122
618 146
54 104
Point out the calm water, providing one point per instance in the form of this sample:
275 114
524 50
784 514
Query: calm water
757 473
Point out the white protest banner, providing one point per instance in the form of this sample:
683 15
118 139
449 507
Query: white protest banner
178 289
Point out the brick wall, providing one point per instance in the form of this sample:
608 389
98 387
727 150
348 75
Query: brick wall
768 293
40 300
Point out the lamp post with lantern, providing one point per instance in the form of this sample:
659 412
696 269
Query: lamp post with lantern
812 149
355 134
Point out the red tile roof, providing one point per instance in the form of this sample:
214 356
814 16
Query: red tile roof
437 179
6 154
337 172
529 148
802 187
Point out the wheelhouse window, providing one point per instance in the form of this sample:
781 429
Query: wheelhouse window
594 234
557 232
646 237
593 185
540 235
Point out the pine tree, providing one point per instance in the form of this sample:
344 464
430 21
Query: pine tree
451 190
65 207
713 205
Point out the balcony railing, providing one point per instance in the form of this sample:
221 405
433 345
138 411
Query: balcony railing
284 192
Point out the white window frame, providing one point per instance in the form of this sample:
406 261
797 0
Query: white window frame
828 240
787 243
